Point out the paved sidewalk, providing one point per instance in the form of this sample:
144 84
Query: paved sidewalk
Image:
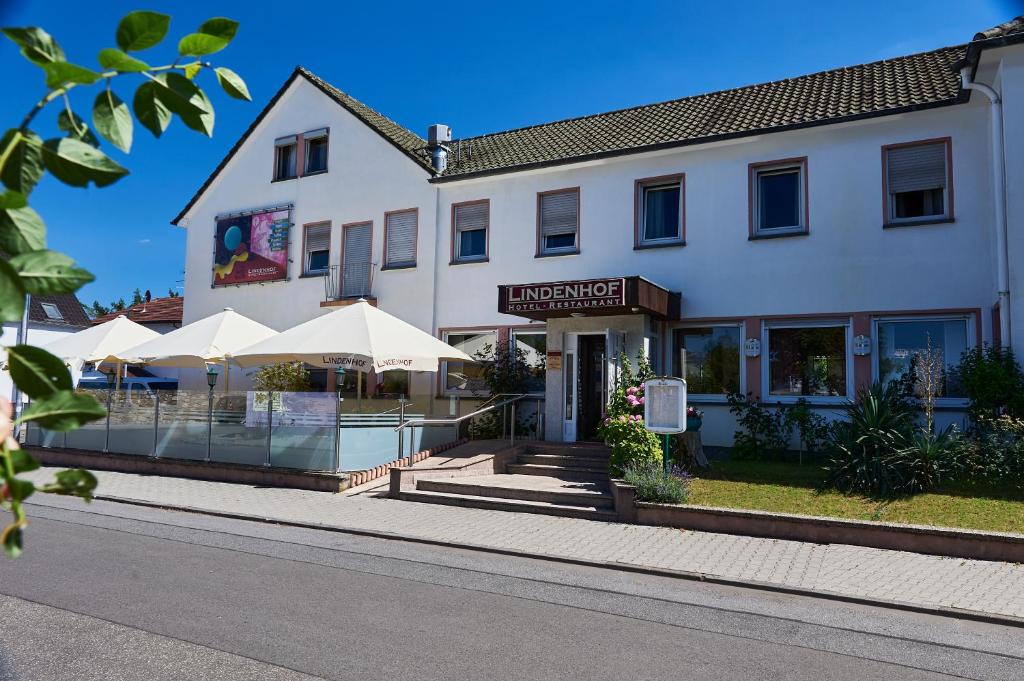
894 577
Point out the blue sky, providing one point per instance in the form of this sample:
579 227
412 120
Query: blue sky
477 66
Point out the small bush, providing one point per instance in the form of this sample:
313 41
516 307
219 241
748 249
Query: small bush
654 485
992 380
996 450
631 443
764 433
284 377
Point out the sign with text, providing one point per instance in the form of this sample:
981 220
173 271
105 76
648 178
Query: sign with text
665 405
565 295
251 248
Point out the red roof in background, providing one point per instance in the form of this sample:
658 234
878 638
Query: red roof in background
156 311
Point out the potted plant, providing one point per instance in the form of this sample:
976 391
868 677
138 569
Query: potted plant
694 419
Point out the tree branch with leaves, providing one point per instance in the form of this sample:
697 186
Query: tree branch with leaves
76 160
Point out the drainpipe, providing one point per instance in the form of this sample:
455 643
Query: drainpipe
999 178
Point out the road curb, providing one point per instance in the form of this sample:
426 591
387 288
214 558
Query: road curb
941 611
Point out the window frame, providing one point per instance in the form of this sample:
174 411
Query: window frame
826 322
57 317
543 252
888 220
970 320
738 324
531 331
640 187
754 170
306 271
456 238
385 265
277 157
305 139
444 390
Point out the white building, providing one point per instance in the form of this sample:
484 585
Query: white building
49 318
796 239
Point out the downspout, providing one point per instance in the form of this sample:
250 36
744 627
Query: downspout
999 179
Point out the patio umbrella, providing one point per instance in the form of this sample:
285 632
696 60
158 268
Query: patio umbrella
211 340
101 343
359 337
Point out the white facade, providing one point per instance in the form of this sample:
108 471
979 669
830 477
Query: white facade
847 270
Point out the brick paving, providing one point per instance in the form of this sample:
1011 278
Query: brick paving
873 574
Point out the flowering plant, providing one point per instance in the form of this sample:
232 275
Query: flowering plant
623 426
694 413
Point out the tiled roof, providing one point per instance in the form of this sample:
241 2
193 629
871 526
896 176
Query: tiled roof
883 87
156 311
70 309
1011 27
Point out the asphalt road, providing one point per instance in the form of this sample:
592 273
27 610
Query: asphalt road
113 591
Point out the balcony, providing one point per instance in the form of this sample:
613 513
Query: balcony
347 283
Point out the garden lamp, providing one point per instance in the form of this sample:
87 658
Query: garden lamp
211 377
339 379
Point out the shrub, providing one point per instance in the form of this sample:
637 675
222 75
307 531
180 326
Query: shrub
284 377
764 432
623 426
992 380
996 451
654 485
814 429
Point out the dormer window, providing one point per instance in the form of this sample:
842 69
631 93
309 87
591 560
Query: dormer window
316 151
285 152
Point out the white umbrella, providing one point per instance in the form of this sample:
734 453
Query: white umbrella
211 340
101 343
359 337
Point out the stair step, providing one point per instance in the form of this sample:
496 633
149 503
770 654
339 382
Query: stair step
578 453
591 498
563 472
564 460
470 501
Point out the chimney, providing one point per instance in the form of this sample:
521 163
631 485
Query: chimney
437 135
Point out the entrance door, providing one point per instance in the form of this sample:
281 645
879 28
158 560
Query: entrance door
592 378
355 262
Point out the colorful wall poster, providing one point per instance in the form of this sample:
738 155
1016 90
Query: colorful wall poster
251 248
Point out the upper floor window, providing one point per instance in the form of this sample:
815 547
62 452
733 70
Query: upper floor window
470 222
918 182
316 151
285 153
778 198
52 311
659 211
558 215
317 240
400 242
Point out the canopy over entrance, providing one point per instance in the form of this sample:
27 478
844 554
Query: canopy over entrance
589 297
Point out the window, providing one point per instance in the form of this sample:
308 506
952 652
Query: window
533 344
558 222
778 198
400 242
317 240
470 223
659 211
52 311
900 341
468 375
708 357
316 151
917 182
807 360
285 151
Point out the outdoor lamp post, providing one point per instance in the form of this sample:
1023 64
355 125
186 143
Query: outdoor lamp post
339 383
211 380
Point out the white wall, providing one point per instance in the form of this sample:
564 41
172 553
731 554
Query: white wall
38 334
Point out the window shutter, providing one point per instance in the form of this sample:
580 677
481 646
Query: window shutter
285 141
473 216
355 276
401 246
558 213
916 168
318 238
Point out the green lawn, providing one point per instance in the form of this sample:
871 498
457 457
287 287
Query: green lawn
789 488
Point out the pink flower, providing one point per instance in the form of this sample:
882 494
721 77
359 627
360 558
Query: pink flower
631 390
641 400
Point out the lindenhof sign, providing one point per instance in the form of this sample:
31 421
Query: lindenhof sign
567 295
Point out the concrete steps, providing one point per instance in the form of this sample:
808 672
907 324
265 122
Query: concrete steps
556 471
583 494
567 460
503 504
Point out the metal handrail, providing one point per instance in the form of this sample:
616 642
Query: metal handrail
455 420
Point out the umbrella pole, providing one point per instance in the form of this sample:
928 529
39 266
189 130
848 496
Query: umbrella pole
359 391
227 376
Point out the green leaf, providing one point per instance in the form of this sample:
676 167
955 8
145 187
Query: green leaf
220 27
232 83
12 540
64 410
36 45
73 482
113 120
184 98
191 70
22 461
200 44
113 58
37 372
24 167
75 127
21 229
20 489
12 199
48 272
151 112
12 294
76 163
141 30
61 73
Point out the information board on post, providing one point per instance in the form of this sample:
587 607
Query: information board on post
665 405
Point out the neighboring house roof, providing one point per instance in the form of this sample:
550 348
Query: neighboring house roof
919 81
58 310
156 311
